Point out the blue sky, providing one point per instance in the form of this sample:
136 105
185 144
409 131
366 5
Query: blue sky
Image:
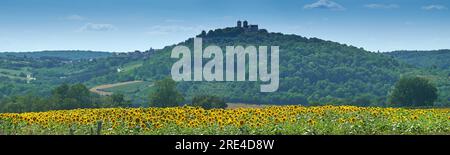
127 25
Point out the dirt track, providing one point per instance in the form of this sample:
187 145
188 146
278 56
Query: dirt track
100 89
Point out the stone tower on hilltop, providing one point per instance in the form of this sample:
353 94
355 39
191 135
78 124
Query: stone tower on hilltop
246 26
239 24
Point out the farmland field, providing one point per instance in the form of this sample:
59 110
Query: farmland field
131 88
289 120
14 74
100 89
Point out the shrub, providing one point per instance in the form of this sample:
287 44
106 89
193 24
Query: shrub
413 92
209 102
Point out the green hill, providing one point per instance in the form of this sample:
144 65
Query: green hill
70 55
438 59
311 70
433 65
54 68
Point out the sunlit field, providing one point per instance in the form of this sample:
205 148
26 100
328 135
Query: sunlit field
274 120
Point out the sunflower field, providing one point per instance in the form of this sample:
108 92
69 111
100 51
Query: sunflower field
274 120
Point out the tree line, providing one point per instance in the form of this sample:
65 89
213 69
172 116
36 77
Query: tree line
78 96
64 97
407 92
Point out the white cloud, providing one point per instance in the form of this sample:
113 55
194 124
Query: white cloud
173 29
75 17
97 27
325 4
434 7
381 6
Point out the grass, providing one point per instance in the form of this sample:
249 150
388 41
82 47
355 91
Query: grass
136 91
132 65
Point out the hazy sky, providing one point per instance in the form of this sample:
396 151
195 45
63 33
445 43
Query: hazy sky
127 25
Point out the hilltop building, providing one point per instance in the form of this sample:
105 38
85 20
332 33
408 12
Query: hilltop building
253 28
246 26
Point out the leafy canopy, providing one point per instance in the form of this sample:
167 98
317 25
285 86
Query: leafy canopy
413 91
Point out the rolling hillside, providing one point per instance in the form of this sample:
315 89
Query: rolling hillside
69 55
311 70
438 59
53 68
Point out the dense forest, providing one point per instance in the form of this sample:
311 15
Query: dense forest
312 72
438 59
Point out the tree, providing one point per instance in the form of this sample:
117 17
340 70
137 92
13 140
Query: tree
61 91
116 100
209 102
413 91
363 100
71 97
166 94
81 95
